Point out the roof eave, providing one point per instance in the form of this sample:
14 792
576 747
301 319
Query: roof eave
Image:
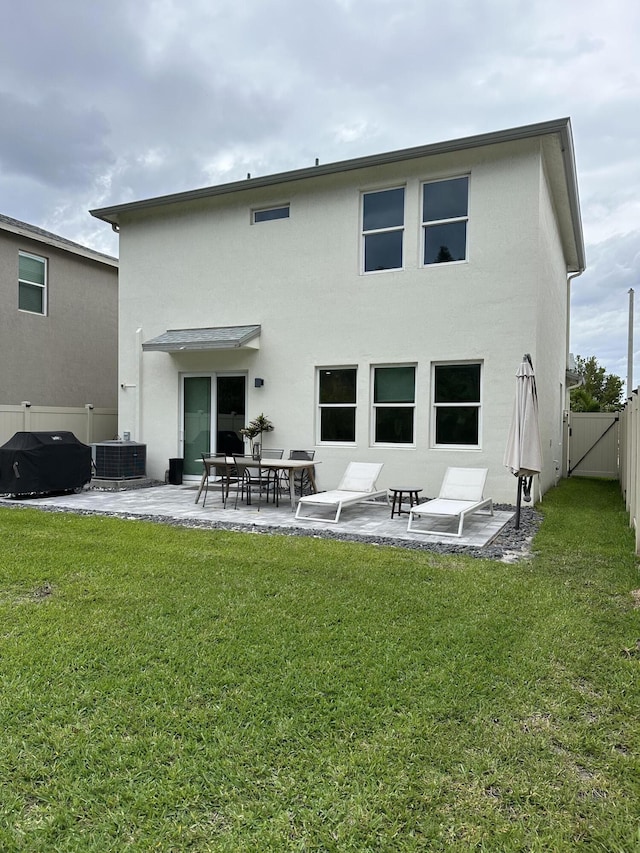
562 126
22 229
192 347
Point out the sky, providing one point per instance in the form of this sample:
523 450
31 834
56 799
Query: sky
103 102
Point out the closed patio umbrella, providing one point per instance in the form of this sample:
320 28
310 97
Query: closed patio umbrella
523 454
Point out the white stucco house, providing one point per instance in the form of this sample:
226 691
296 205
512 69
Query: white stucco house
375 309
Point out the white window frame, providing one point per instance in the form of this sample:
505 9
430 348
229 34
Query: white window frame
430 223
43 287
465 404
273 208
375 406
321 406
373 231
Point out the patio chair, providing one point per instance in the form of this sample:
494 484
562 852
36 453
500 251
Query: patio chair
252 477
272 453
461 495
358 485
217 472
301 479
273 475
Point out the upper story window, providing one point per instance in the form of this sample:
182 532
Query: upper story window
32 283
394 401
383 229
337 404
445 207
457 404
270 213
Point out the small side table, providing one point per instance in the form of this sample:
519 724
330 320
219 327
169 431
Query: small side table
398 496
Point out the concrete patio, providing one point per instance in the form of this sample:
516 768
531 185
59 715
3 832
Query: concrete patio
176 504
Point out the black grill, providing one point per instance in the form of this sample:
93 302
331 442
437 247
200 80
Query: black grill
34 463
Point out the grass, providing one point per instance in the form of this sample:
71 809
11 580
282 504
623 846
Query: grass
187 690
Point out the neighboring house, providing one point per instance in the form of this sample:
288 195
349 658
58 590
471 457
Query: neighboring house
58 320
374 309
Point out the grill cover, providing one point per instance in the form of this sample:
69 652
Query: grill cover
41 462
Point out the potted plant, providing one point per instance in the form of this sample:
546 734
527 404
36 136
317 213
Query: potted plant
254 430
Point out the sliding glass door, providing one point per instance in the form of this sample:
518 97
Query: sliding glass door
213 415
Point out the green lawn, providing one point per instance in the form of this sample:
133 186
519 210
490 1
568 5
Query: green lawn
188 690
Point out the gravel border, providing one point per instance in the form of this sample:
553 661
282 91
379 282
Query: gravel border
509 546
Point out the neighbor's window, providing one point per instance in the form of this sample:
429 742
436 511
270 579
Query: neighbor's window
456 406
32 283
337 403
444 220
394 398
383 229
270 213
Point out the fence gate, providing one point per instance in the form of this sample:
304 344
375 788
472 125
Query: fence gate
591 439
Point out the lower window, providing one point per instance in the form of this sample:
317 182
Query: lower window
337 404
394 395
457 404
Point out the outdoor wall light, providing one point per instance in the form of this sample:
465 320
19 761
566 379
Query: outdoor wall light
258 383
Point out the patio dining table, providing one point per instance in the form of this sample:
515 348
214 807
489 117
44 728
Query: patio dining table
290 466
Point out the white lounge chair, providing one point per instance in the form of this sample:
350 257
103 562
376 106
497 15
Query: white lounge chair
461 495
358 485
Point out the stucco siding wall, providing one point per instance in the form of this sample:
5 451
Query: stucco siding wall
551 342
69 356
206 265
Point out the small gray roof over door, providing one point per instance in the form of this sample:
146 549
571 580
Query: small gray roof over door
197 340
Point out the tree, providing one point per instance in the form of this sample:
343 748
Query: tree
601 391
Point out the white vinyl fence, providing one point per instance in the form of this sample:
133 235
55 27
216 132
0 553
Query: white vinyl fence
592 442
630 461
87 424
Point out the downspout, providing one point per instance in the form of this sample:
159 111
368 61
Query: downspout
570 278
563 467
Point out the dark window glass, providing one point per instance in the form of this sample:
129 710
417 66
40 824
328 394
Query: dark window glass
445 199
30 298
338 385
272 213
457 383
337 397
445 243
394 425
394 385
384 209
31 269
338 424
383 251
457 425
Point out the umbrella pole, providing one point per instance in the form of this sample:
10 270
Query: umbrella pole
518 503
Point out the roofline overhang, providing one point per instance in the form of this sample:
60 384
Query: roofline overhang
191 347
560 127
23 229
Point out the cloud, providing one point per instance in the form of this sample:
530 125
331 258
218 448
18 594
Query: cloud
52 143
600 303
